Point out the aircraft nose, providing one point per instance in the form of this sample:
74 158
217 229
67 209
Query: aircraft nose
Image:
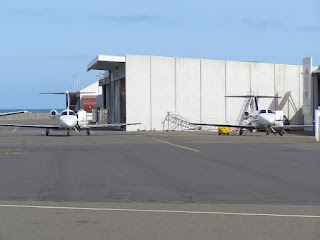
69 122
267 119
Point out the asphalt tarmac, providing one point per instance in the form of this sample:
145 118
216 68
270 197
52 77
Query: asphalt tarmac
158 185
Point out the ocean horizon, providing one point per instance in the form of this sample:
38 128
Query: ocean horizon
35 110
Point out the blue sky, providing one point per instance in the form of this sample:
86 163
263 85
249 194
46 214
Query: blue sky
45 43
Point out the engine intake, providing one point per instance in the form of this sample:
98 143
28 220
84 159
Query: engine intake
245 115
53 114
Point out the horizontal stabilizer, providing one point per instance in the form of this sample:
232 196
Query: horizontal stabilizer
63 92
250 96
54 93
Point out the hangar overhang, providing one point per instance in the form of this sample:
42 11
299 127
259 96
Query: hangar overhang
316 71
106 62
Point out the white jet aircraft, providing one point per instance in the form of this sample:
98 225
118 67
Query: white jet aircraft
12 113
68 120
260 120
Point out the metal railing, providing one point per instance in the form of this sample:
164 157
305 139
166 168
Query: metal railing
174 121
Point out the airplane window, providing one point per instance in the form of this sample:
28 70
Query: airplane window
270 111
263 111
64 113
71 113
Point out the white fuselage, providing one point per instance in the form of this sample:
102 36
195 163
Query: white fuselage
67 119
263 118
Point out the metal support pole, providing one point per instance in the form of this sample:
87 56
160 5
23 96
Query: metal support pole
316 125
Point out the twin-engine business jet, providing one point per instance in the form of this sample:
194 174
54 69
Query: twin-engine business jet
68 120
12 113
260 120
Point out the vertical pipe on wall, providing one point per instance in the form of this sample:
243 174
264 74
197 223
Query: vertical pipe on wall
250 69
175 85
299 73
150 94
200 94
275 88
225 92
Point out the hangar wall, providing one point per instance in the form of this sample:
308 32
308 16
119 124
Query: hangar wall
196 88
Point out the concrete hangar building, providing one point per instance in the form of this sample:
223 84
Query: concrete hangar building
144 88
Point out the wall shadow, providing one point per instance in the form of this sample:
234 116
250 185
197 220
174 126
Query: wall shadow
287 101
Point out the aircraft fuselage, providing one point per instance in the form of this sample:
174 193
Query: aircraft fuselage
67 119
263 118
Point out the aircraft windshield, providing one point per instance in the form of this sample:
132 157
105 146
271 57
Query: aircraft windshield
66 113
270 111
262 111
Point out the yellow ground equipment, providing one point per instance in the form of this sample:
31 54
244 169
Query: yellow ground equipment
223 130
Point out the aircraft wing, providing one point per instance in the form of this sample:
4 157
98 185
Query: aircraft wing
12 113
296 126
30 126
225 125
110 125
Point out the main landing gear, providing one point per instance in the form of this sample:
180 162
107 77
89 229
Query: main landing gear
68 132
281 132
274 131
47 132
241 131
88 131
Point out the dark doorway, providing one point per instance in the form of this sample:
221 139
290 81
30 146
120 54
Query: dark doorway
123 100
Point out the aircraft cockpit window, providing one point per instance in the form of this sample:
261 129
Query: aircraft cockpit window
64 113
270 111
71 113
262 111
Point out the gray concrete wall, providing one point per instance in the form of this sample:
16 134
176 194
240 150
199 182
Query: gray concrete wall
287 85
138 91
213 83
196 88
237 83
27 116
163 98
188 101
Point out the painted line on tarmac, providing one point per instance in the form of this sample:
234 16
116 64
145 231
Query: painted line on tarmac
10 151
15 129
162 211
191 149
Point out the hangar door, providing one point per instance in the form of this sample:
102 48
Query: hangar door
115 101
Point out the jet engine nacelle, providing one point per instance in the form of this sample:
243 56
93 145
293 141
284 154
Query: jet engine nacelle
53 114
245 115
